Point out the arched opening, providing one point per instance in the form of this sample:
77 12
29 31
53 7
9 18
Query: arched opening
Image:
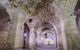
4 27
49 38
46 38
25 44
77 13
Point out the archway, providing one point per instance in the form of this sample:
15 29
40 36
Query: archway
4 27
25 44
49 38
46 38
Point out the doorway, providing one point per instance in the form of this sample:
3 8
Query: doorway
25 44
49 39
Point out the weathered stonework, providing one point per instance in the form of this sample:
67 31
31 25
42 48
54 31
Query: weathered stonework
57 12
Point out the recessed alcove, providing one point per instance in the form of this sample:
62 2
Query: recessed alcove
25 43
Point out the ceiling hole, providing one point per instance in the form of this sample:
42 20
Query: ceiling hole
30 20
10 0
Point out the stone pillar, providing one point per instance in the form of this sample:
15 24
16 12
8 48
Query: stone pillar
32 39
38 31
71 33
19 35
64 40
20 29
15 36
12 32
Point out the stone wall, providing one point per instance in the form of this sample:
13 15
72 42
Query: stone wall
18 17
68 7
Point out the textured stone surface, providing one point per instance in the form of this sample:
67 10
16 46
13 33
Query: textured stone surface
17 11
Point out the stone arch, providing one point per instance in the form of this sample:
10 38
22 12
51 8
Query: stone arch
51 34
21 18
31 21
18 18
40 31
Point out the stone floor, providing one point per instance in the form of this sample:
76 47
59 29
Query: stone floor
21 49
39 49
42 48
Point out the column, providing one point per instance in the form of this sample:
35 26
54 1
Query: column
32 39
12 32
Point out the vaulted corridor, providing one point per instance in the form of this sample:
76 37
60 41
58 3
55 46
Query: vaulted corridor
39 25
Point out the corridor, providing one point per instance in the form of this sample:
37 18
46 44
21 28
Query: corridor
39 24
